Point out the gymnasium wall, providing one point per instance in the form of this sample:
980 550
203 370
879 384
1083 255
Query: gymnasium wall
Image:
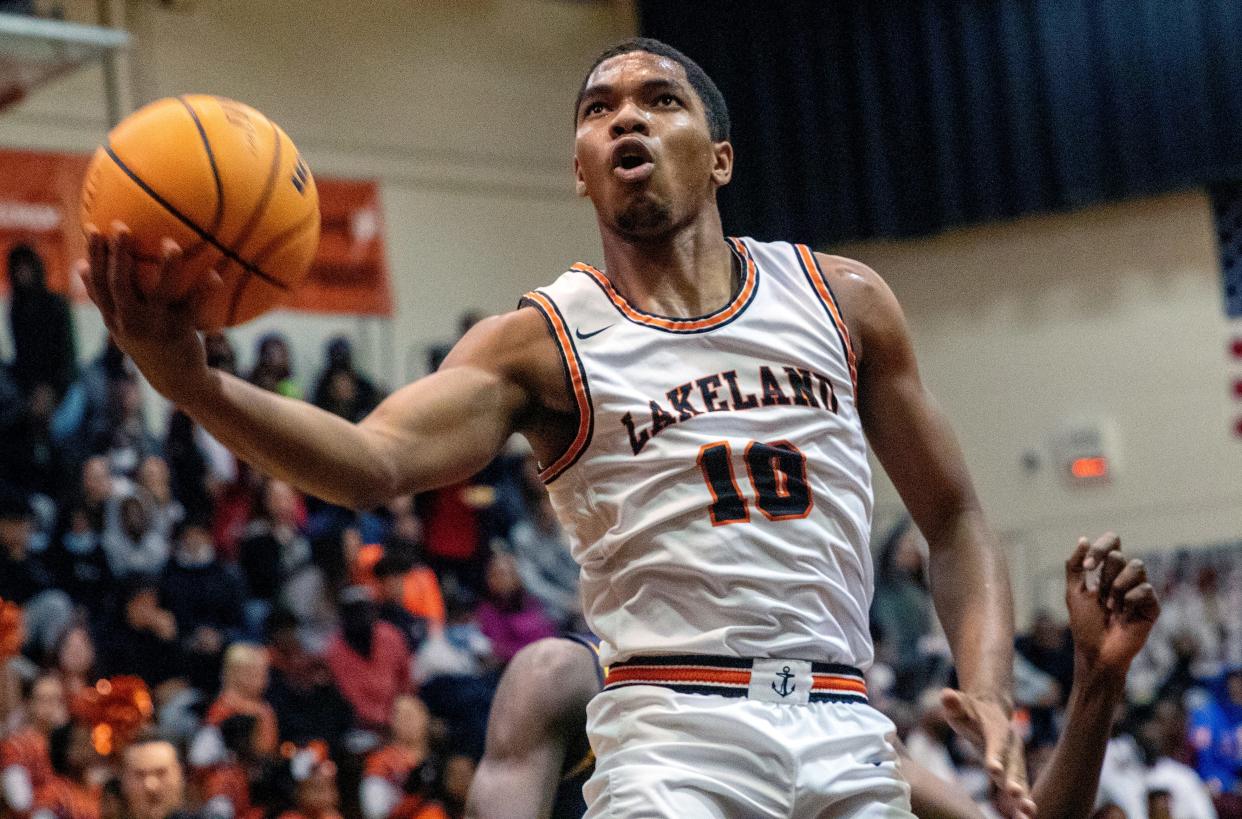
461 108
1111 315
462 111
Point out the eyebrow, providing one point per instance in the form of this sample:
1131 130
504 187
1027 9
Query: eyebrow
647 86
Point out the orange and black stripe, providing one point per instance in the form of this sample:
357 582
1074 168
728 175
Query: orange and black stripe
729 677
819 283
699 324
575 375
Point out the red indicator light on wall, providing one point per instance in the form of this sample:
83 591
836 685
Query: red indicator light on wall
1088 468
1237 428
1237 388
1236 347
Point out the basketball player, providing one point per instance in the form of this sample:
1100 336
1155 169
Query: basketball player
700 409
537 748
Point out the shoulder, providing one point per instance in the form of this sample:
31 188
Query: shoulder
519 347
868 305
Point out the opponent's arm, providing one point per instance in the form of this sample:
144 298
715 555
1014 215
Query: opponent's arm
540 703
1110 619
430 433
970 583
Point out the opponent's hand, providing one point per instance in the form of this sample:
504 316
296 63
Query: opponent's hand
1112 607
146 318
986 723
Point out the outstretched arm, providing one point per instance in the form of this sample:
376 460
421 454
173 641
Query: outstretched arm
1112 609
433 432
970 583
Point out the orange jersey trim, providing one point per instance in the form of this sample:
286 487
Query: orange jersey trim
750 280
811 265
577 379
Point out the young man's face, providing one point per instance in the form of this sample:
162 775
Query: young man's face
152 780
643 151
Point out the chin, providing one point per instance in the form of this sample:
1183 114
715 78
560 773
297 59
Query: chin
644 219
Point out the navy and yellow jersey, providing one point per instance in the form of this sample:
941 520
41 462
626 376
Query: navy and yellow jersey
579 760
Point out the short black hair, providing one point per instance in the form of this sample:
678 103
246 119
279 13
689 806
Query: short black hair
713 101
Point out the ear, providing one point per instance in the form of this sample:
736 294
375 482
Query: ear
722 163
579 182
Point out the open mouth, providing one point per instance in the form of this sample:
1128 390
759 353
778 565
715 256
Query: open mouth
632 160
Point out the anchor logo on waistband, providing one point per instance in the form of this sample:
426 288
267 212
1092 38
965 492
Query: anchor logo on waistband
786 689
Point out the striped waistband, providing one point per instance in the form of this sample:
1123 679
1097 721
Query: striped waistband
771 680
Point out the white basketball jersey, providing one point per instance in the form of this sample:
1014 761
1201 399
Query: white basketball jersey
717 495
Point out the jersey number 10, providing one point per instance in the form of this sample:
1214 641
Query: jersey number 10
777 473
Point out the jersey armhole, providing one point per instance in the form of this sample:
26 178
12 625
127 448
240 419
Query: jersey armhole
575 378
823 290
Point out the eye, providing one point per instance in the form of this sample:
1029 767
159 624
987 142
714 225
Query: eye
593 108
666 100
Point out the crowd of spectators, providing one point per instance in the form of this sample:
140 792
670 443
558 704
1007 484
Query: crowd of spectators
260 652
271 653
1177 744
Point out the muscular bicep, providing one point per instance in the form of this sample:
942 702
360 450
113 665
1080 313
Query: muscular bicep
905 426
447 426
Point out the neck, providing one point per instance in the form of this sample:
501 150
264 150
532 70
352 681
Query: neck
687 273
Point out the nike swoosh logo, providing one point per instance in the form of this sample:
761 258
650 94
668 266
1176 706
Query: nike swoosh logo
585 336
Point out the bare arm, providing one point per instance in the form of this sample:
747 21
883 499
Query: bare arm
970 582
438 430
540 703
1110 620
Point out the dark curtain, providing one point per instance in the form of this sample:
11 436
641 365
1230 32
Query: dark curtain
890 118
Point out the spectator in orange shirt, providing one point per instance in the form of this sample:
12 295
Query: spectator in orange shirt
74 791
25 767
388 769
408 613
405 581
244 679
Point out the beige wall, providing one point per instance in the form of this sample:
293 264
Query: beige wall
462 108
1111 314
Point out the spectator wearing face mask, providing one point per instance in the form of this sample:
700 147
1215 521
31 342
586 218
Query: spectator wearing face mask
369 659
79 562
131 540
207 598
143 640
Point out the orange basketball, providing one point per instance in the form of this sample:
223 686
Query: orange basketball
224 182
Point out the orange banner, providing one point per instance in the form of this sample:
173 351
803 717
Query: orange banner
39 206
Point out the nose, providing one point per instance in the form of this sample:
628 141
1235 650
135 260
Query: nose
628 119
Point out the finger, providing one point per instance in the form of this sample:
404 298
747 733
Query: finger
997 751
209 287
1015 771
97 260
960 713
1112 566
121 267
1073 566
1141 603
1104 544
1132 575
168 281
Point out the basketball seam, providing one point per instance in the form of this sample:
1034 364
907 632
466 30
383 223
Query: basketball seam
202 234
265 198
277 242
211 159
